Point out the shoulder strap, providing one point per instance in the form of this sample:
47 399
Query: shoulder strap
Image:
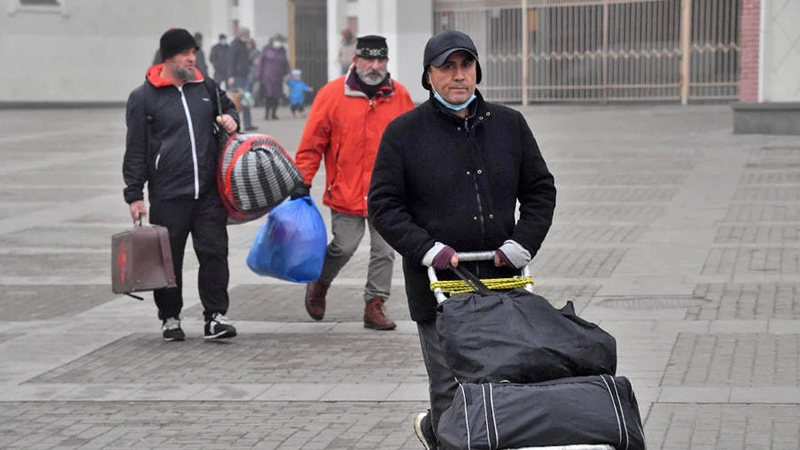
211 86
150 102
150 107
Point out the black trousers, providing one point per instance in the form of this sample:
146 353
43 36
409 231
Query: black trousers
206 220
441 380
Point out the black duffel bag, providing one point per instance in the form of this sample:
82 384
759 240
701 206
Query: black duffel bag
518 336
597 410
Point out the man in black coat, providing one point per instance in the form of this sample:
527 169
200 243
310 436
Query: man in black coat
174 150
220 59
447 178
240 65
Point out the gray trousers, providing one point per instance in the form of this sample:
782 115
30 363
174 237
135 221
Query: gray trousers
347 234
442 383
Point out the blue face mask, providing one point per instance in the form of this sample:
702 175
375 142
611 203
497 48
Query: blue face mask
449 105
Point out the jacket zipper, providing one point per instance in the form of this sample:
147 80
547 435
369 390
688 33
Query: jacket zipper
475 171
194 144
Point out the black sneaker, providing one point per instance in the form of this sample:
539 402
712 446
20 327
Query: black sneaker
219 328
171 330
424 431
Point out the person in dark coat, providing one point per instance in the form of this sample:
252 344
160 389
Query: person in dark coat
200 56
447 178
173 149
240 66
220 59
273 68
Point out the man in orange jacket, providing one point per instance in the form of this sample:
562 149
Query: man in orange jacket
344 127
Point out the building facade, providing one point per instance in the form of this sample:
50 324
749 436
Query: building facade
76 52
770 70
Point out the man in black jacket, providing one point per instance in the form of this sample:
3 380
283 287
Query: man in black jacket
171 146
240 65
447 178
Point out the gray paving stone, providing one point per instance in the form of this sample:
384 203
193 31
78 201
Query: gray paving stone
743 301
259 358
761 234
62 237
259 302
787 212
620 179
587 235
730 427
577 263
752 260
46 193
209 425
617 194
67 265
772 177
734 360
584 212
767 194
41 302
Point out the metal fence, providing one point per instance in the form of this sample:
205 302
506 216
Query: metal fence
601 50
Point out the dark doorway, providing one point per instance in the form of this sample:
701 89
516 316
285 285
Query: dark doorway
308 20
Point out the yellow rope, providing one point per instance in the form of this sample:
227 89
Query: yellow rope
460 286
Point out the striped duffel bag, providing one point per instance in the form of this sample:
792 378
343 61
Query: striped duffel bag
255 175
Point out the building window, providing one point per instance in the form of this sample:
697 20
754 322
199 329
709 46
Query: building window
38 6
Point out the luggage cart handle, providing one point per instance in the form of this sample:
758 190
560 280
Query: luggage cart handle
486 255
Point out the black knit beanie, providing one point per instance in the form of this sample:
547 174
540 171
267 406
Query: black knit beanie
175 41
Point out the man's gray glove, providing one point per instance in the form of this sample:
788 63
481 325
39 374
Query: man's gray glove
302 190
512 254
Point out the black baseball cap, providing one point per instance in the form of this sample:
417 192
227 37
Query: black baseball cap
441 46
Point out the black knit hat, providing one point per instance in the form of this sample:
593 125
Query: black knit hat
175 41
441 46
372 47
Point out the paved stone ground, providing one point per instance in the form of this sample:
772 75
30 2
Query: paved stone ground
678 237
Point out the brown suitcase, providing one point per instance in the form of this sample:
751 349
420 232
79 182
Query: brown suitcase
141 260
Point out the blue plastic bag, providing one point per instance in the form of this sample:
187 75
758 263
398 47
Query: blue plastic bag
291 244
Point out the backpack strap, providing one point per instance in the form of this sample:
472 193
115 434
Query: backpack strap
150 108
211 86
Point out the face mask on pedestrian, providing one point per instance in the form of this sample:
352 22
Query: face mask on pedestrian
449 105
277 44
223 42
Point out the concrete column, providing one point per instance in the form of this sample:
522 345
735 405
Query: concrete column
247 15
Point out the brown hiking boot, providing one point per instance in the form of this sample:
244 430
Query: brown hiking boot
315 298
375 316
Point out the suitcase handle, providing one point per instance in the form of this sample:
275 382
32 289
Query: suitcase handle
486 255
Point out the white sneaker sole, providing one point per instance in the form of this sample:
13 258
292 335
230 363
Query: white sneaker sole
221 335
418 430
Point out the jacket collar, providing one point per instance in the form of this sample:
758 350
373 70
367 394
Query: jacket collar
478 108
154 76
352 88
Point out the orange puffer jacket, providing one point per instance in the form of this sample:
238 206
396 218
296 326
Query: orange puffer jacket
346 127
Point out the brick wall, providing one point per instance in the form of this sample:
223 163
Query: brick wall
748 61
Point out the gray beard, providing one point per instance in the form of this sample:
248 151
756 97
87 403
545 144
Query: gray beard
183 74
370 80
